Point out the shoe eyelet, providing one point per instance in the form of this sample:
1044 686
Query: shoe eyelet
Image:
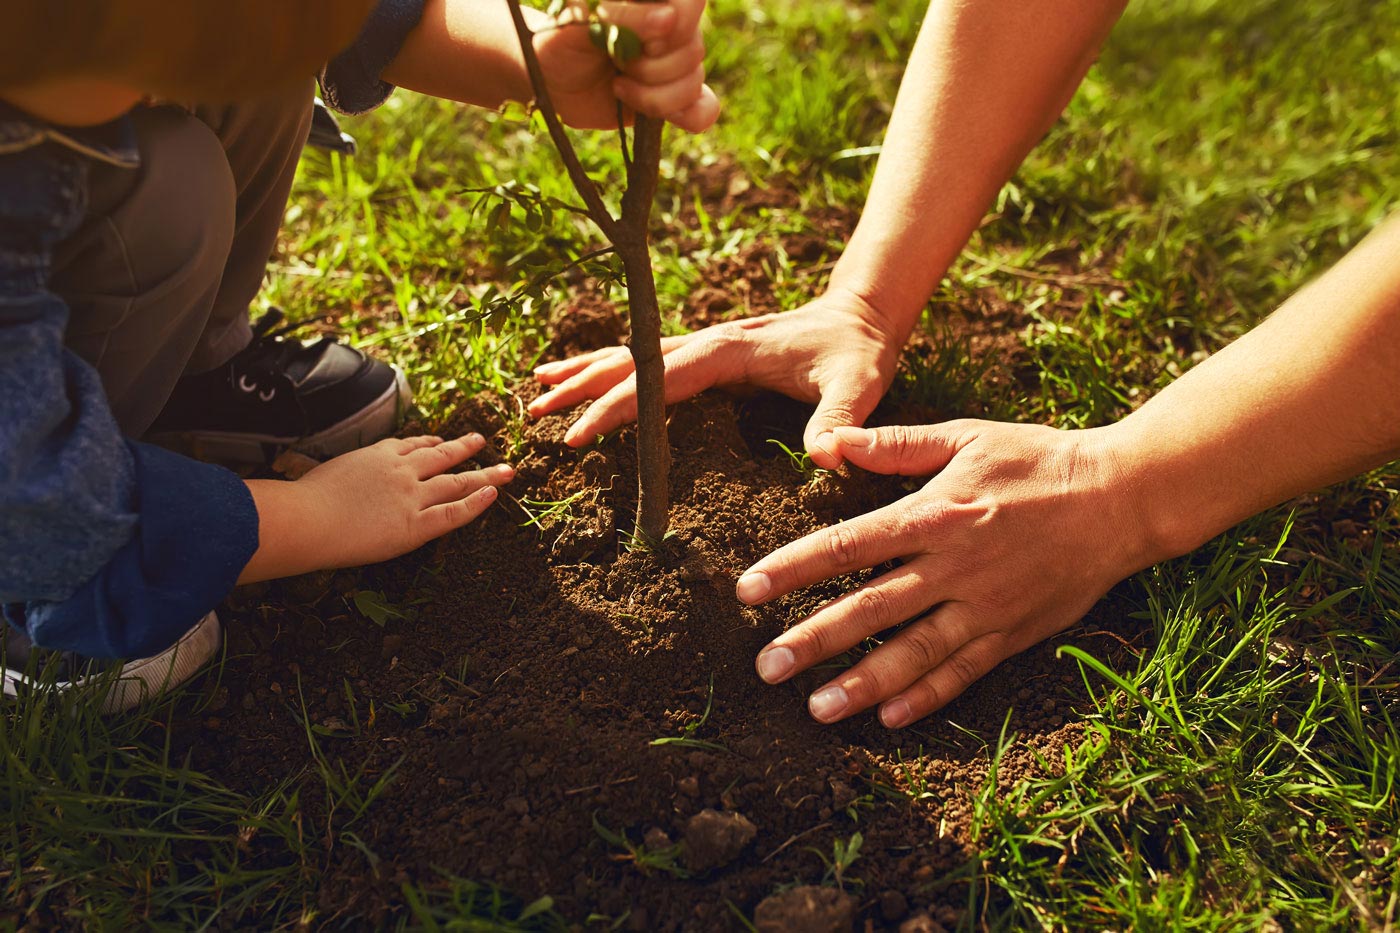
247 385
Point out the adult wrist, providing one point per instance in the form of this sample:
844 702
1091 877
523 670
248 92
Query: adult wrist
1155 494
893 327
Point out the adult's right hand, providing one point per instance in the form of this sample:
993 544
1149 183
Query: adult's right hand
836 352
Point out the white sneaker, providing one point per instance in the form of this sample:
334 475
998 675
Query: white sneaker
25 667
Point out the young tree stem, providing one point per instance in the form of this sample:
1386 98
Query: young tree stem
631 238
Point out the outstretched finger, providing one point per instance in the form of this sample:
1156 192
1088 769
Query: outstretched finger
841 624
439 458
946 682
559 370
691 368
863 542
590 383
449 486
440 519
922 646
409 444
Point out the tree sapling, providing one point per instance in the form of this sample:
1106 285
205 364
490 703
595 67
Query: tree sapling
630 238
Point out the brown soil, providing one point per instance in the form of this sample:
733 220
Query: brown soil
540 665
519 697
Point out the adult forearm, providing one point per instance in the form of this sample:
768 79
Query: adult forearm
984 83
465 50
1308 398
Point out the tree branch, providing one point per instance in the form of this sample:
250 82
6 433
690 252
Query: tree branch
586 189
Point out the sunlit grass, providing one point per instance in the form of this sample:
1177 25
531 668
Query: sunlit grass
1220 154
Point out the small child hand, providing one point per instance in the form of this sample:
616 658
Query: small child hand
666 80
370 505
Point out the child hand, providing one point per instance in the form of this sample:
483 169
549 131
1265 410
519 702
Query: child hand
369 505
666 80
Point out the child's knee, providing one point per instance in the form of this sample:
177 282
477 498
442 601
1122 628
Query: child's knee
188 189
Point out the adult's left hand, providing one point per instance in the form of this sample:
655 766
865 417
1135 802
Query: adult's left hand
1022 529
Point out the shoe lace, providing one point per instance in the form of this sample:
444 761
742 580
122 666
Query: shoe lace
262 366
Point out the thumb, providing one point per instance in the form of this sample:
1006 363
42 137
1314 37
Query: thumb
846 404
905 450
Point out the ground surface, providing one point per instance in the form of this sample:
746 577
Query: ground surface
463 738
540 665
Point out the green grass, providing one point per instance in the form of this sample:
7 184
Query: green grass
1221 153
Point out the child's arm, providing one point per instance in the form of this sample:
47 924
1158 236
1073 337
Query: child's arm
369 505
467 50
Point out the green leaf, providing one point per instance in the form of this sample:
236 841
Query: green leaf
535 908
373 606
621 43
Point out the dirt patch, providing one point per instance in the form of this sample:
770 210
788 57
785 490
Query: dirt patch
526 672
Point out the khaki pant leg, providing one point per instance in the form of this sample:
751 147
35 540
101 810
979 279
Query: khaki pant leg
160 276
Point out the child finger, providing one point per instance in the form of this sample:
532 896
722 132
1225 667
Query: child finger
650 21
408 444
440 519
439 458
670 98
674 65
699 116
450 486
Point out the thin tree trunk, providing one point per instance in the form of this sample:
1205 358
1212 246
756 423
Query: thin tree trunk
630 236
653 447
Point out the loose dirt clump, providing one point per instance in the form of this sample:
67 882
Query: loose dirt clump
807 909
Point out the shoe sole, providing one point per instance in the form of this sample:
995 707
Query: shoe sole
375 421
144 678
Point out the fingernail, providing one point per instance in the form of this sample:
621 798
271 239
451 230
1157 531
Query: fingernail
895 713
488 492
774 664
854 437
571 436
753 586
825 442
475 438
504 469
827 703
546 367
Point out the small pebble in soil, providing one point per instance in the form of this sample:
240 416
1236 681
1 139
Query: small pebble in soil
893 906
713 839
689 785
922 923
657 840
392 645
806 909
842 794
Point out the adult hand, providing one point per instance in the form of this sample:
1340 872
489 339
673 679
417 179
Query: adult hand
369 505
1018 534
834 352
666 80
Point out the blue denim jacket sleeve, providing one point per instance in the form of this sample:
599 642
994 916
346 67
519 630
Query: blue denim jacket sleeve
107 547
350 83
